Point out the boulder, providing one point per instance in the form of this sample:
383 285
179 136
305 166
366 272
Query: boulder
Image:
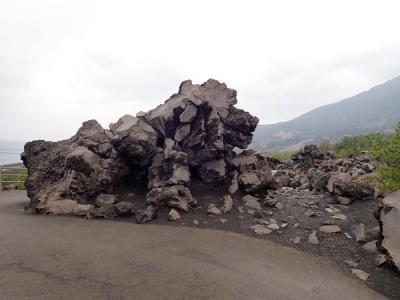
343 177
61 207
254 172
318 179
389 218
191 136
353 190
175 196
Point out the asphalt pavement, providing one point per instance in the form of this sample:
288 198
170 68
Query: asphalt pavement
61 257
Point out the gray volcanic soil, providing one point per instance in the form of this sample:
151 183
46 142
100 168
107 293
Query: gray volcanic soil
335 246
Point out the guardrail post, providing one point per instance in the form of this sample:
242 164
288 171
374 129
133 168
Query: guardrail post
1 181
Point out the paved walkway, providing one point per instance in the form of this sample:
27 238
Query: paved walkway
57 257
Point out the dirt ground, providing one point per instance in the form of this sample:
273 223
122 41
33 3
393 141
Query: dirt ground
337 247
65 257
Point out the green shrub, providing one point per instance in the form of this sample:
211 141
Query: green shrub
281 155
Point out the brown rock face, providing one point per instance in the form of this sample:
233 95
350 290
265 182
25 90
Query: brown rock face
192 135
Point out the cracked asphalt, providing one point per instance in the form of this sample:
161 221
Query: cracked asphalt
58 257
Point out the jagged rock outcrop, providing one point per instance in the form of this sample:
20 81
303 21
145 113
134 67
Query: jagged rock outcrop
63 174
191 136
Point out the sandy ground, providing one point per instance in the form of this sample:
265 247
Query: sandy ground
52 257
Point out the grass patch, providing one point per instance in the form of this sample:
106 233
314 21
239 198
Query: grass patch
281 155
13 175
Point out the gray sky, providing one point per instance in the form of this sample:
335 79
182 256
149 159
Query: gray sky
63 62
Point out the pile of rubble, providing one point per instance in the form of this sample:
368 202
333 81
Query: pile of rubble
314 169
190 137
193 137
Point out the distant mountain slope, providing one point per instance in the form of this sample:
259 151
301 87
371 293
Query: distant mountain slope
375 110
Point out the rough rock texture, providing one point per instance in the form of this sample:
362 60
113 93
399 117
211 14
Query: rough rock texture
321 171
63 174
389 217
254 172
191 136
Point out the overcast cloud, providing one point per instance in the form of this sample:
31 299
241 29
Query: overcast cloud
63 62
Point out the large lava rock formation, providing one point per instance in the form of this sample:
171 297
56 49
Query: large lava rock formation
191 136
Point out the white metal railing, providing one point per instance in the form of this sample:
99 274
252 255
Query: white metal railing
10 175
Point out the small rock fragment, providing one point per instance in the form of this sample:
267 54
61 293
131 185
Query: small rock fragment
309 213
212 209
296 240
348 235
251 202
360 233
234 186
260 229
82 209
328 222
273 226
344 200
264 222
341 217
173 215
370 247
330 229
360 274
105 199
332 210
381 259
351 263
227 204
124 208
313 239
270 201
251 212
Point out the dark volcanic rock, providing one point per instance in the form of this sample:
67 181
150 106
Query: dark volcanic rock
192 135
254 172
389 218
74 170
